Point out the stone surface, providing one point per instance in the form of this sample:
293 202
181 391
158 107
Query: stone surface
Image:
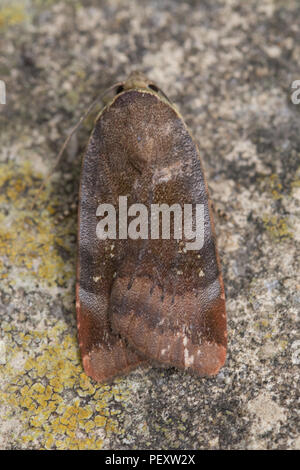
229 66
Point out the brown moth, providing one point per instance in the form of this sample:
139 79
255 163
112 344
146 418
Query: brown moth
145 300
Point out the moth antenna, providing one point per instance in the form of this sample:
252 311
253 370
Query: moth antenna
72 132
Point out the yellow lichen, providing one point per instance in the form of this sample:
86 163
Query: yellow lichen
277 227
37 394
29 239
43 385
11 14
275 187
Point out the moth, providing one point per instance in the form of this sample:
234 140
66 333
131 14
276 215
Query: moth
146 300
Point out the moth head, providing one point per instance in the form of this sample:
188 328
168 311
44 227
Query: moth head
138 81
